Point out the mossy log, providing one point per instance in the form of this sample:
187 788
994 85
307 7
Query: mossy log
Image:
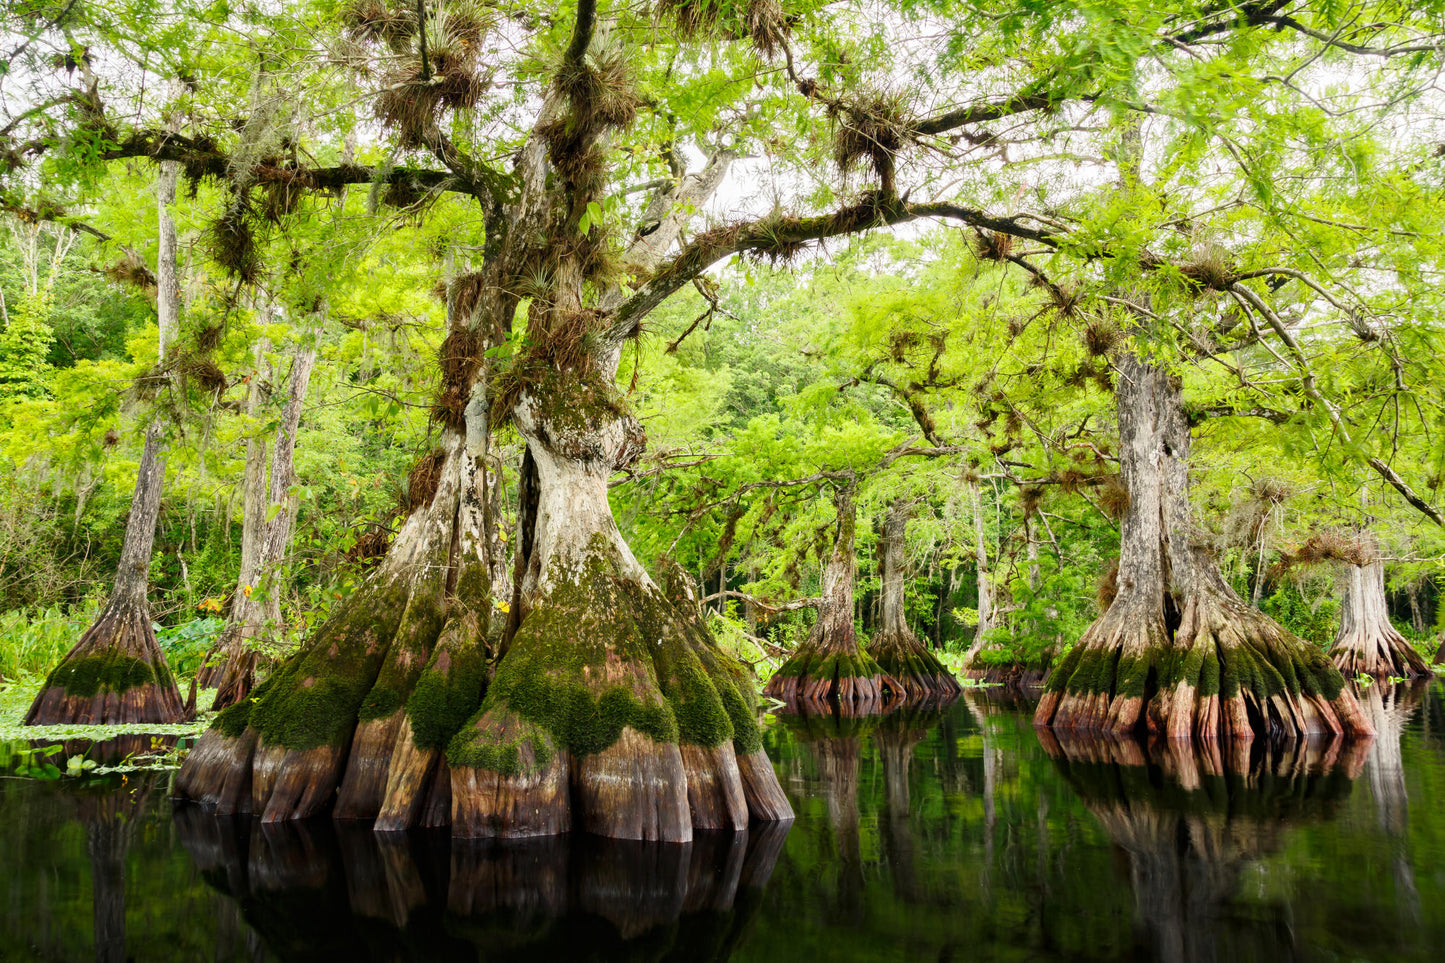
830 667
1177 651
1367 642
898 652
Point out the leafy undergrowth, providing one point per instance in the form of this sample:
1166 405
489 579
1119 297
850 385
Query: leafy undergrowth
53 752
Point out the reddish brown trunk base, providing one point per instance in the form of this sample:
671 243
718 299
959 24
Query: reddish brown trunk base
919 674
1225 672
115 674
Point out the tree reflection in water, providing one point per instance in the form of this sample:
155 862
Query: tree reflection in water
1192 817
317 890
1389 708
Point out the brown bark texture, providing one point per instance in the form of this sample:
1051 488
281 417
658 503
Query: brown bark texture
1177 651
895 648
257 605
830 667
1367 643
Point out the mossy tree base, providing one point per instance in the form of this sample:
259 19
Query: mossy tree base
115 674
1225 672
815 679
918 672
613 712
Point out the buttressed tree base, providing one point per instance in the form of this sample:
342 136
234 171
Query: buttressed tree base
1178 651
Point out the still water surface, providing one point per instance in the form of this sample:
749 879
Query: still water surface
952 836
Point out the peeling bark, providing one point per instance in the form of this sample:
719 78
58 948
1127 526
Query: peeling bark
1177 650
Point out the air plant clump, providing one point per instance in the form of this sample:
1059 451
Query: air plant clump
423 479
1101 336
450 78
380 22
1114 497
1326 546
560 353
232 241
600 95
870 129
405 193
1210 270
203 373
209 338
764 22
460 356
992 245
130 270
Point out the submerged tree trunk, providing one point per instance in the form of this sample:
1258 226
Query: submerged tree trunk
830 666
1367 643
895 648
1177 650
258 599
116 672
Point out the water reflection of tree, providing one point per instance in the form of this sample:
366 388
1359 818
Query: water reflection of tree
835 743
1389 709
313 890
1191 818
896 736
109 809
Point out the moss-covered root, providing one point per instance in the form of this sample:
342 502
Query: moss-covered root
115 674
918 672
815 678
446 694
1228 673
305 713
1103 682
508 779
1234 673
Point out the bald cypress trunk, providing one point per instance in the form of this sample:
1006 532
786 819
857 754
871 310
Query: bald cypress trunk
116 672
1367 642
1177 650
895 648
258 597
830 667
610 707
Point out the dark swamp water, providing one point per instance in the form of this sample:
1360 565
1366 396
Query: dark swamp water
956 836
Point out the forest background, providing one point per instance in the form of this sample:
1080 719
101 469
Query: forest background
919 366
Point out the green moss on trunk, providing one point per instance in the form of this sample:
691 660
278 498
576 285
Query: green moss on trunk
117 672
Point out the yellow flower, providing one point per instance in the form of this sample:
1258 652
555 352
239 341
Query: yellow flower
504 607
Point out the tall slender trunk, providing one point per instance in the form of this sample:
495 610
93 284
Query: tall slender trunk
830 666
894 647
1176 639
1367 642
116 672
258 598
